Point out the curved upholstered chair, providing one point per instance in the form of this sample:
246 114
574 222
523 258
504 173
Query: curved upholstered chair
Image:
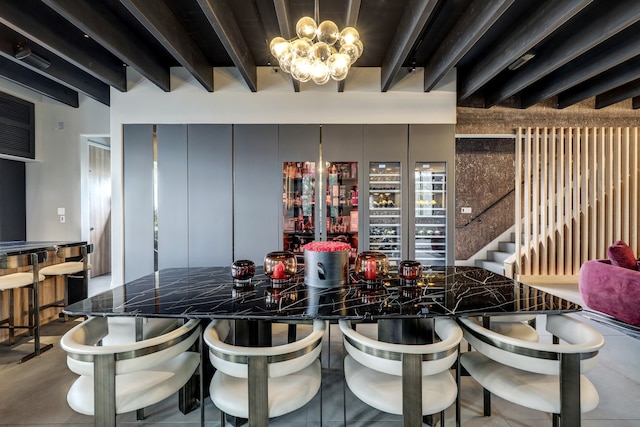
263 382
125 330
515 326
375 370
529 373
127 377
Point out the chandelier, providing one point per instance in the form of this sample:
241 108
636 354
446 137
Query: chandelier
319 53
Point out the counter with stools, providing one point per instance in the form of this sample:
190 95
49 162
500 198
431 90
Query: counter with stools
29 281
17 267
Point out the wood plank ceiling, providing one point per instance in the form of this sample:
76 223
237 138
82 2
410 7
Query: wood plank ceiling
576 49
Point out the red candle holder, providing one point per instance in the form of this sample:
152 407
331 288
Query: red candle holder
242 272
280 266
410 270
371 266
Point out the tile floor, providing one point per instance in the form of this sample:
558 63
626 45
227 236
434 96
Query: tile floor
34 393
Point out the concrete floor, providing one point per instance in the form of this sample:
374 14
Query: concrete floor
34 393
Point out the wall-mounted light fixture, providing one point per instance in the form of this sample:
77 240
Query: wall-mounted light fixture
23 52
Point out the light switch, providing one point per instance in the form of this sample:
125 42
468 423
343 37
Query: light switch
466 210
60 211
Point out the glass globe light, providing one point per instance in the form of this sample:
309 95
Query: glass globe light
321 51
328 32
278 46
300 48
349 35
285 62
338 66
306 28
360 47
301 69
351 50
320 72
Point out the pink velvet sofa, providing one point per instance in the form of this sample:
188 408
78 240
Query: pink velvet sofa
611 290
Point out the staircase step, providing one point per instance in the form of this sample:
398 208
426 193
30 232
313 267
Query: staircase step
509 247
499 256
496 267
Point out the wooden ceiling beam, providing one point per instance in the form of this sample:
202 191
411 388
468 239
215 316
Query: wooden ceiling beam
353 10
160 21
38 83
224 24
582 69
287 29
415 17
58 69
31 20
617 76
613 96
477 19
519 41
616 17
95 20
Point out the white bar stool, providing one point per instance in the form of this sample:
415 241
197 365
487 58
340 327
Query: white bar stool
24 280
68 269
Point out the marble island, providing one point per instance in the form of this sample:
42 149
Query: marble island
210 292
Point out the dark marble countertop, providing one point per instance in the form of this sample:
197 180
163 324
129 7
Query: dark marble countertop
24 247
209 292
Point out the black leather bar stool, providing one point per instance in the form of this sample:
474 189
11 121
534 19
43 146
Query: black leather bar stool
24 280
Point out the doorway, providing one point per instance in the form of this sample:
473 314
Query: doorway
99 191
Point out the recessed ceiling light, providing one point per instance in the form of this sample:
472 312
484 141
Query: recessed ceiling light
522 60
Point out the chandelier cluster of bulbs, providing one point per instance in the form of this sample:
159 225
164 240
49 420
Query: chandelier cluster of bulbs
321 52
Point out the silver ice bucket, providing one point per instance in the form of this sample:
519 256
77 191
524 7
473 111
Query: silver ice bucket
326 269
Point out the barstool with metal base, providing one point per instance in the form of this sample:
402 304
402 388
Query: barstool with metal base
79 263
25 280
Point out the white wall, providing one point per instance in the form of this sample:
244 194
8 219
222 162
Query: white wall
55 179
275 102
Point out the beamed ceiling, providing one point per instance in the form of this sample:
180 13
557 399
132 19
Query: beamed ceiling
580 48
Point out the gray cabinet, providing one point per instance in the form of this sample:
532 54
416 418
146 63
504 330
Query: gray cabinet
189 169
210 195
138 184
257 192
219 187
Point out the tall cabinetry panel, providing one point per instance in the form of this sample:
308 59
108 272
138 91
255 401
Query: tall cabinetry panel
173 200
210 194
298 151
342 149
138 201
385 212
432 178
257 192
